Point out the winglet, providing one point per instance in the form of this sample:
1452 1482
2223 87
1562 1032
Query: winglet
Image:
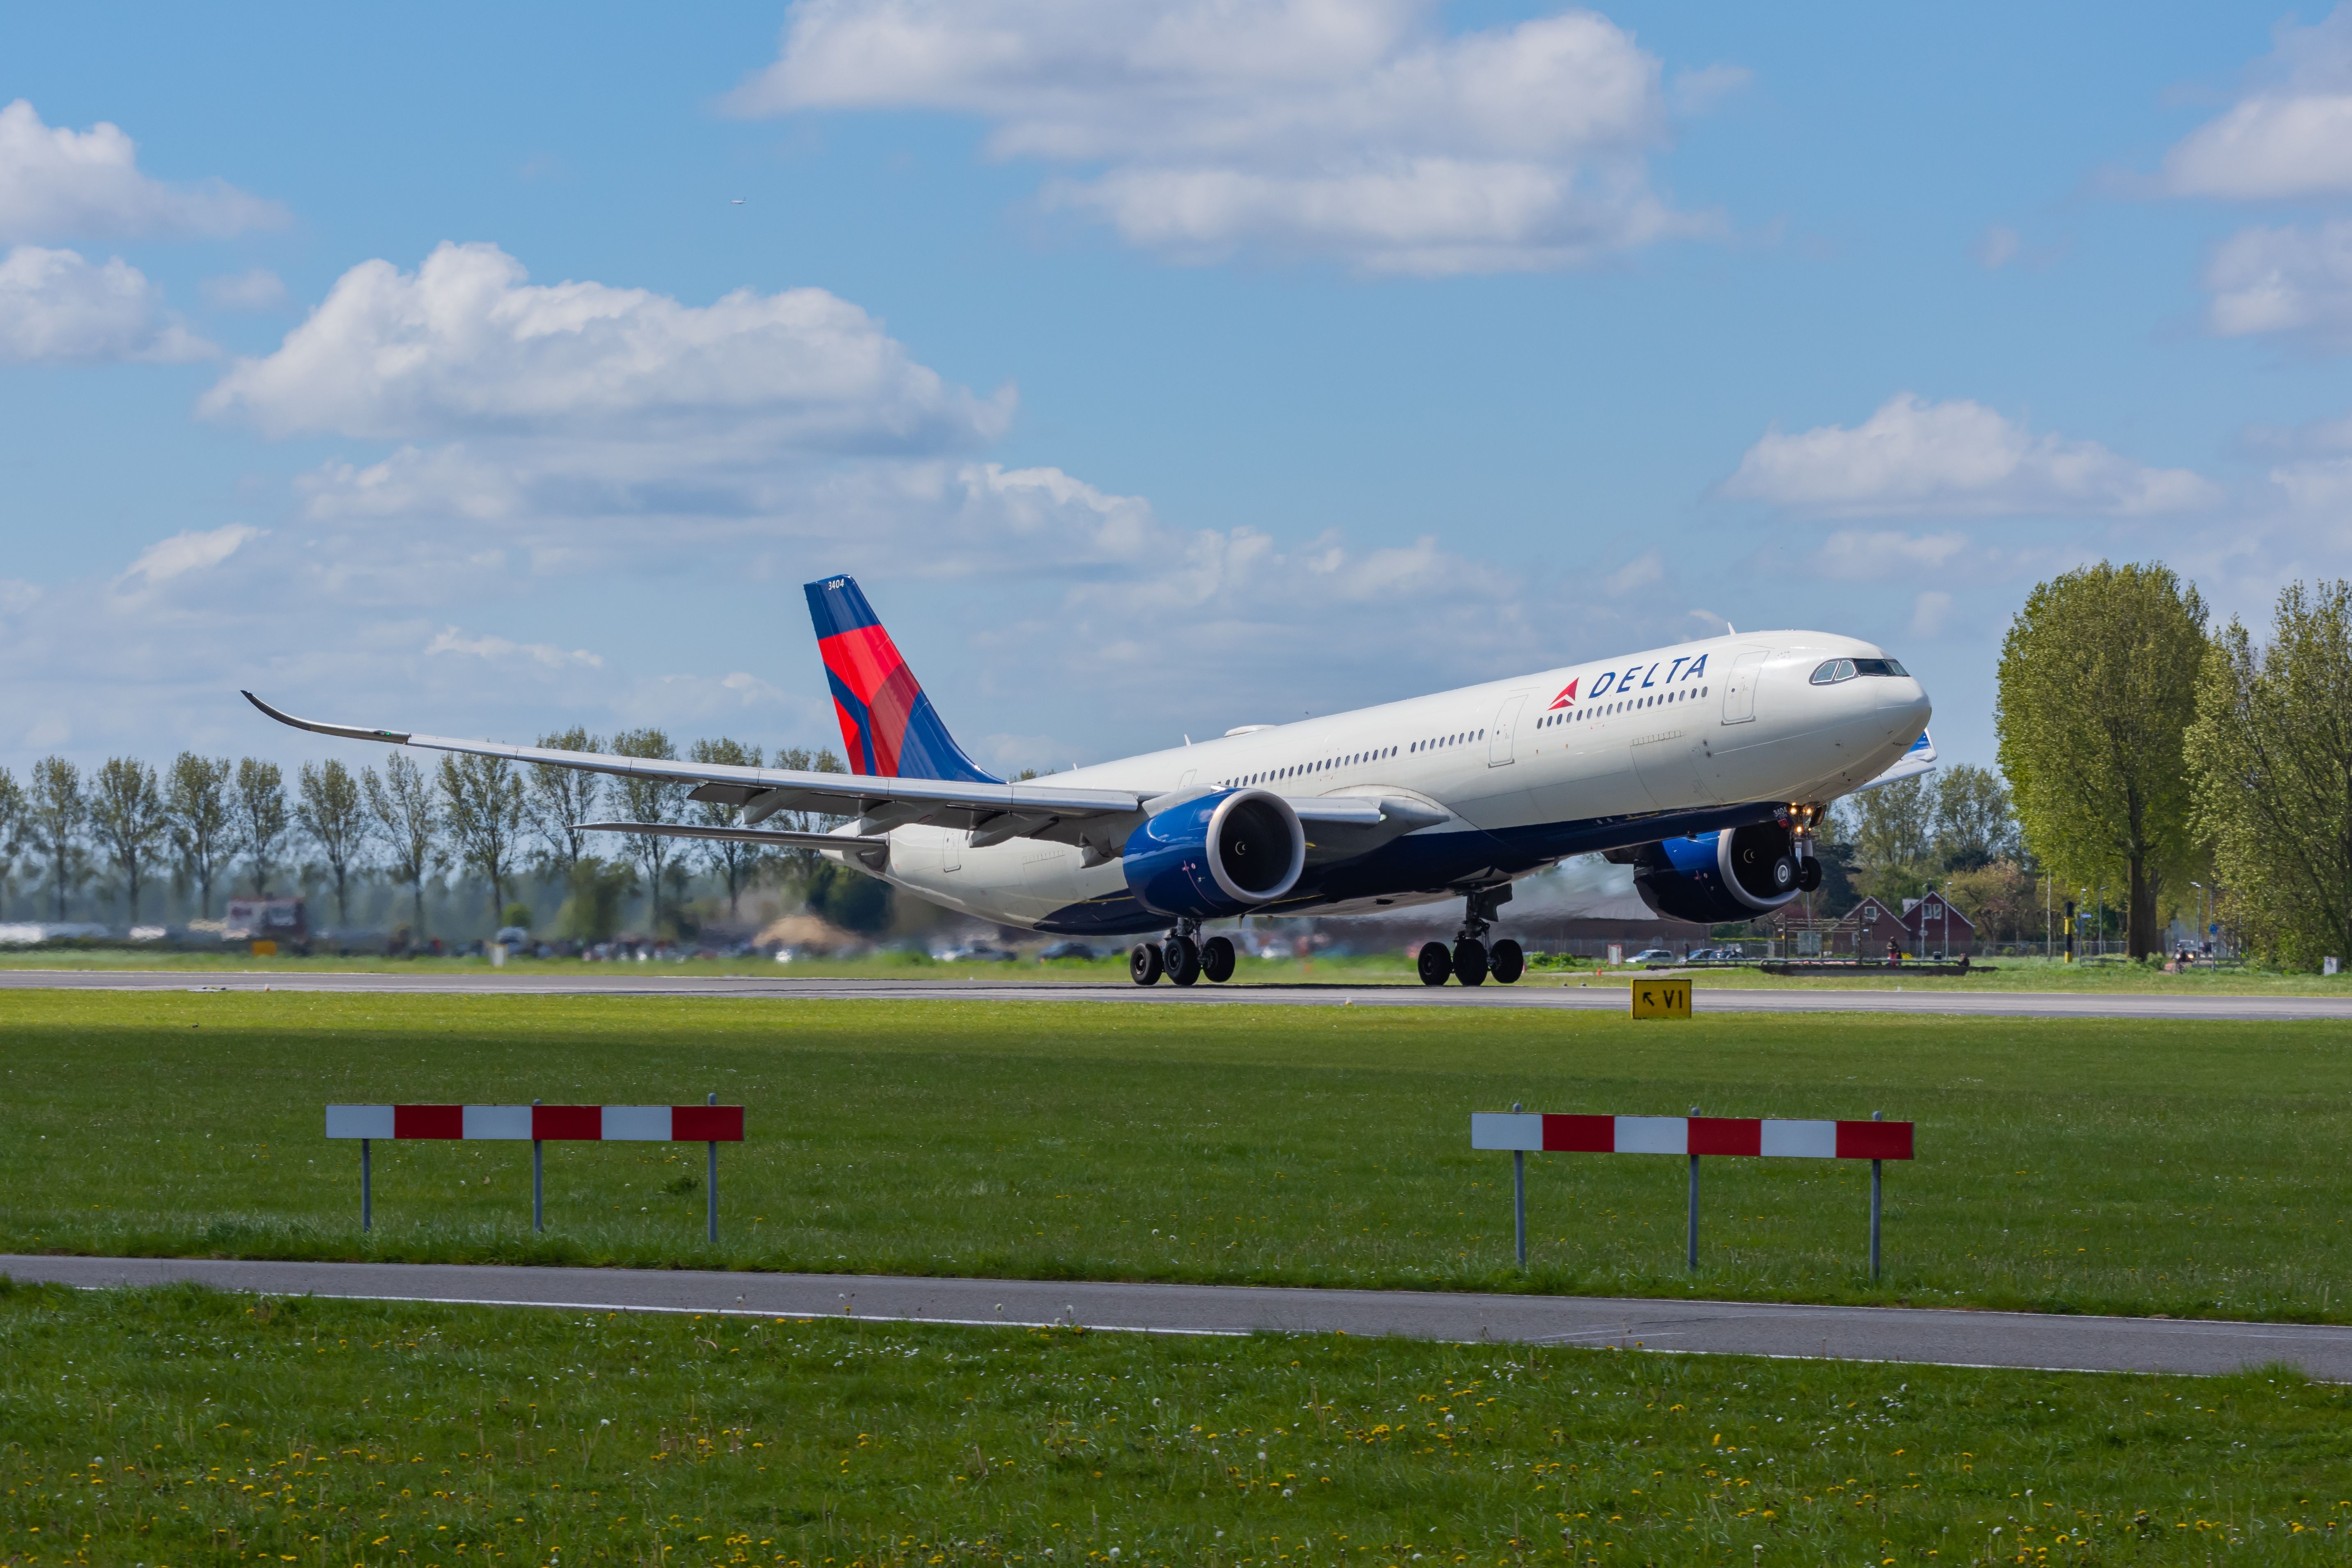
348 732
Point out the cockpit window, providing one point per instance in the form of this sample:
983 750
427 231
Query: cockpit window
1833 670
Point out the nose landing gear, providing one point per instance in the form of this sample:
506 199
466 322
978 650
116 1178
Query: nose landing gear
1471 961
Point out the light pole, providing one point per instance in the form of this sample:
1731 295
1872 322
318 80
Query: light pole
2200 914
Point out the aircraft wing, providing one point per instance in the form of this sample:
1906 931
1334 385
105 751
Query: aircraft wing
1918 760
884 803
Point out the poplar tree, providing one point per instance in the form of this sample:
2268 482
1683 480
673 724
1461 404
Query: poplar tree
2271 755
736 862
56 812
127 810
2093 704
558 799
406 806
261 818
334 817
650 800
12 823
195 795
483 805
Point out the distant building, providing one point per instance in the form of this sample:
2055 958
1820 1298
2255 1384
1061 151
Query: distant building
1935 928
1863 930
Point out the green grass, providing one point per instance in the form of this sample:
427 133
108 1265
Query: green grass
180 1426
2067 1165
1358 969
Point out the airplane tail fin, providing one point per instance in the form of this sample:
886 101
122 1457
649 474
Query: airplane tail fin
887 725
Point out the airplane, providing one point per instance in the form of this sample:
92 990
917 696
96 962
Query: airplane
1706 765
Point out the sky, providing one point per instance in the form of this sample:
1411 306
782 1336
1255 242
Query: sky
1156 367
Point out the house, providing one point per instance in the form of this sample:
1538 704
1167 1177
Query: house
1865 931
1935 928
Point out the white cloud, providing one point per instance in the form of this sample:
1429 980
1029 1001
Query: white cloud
58 306
189 551
500 650
1352 128
1929 612
464 346
2287 280
56 184
2290 135
257 290
1998 249
1639 572
1913 458
1861 556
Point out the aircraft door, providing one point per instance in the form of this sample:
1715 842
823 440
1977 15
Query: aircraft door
1739 691
952 848
1499 734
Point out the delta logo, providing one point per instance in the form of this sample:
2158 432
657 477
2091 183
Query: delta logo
1567 696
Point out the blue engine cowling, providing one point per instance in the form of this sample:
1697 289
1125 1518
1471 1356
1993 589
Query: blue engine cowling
1220 854
1734 875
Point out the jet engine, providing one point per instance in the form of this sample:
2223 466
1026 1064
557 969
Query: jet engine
1221 854
1734 875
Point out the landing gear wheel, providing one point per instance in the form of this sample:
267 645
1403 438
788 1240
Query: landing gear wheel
1183 957
1470 960
1143 965
1506 962
1808 876
1217 959
1784 875
1436 963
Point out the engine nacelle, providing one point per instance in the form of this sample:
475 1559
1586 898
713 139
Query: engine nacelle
1734 875
1222 853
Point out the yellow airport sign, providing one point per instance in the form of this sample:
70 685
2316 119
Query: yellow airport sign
1661 998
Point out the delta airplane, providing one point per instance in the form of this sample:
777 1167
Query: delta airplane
1706 766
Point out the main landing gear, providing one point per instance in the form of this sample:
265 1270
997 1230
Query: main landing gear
1471 961
1183 958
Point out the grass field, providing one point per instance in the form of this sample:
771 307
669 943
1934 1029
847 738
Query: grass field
179 1427
2064 1165
1379 968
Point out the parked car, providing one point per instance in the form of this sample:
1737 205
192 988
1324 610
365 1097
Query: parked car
976 952
1654 958
1066 950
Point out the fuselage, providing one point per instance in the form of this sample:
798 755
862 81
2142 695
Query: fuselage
1686 738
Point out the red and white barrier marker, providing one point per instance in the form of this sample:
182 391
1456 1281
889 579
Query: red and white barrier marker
1527 1132
709 1123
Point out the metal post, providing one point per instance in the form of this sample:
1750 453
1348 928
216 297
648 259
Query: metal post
367 1194
1519 1196
1692 1249
1874 1168
538 1188
710 1202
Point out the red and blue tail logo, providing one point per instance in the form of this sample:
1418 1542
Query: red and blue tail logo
886 723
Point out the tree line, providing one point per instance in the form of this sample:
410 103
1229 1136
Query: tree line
209 822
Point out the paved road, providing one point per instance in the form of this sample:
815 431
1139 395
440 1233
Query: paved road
1606 996
1845 1333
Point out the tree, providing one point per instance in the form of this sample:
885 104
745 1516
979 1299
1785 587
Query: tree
2270 753
403 803
56 811
737 863
261 818
197 796
12 823
484 808
849 899
1886 833
334 817
650 800
2001 898
800 864
1974 823
558 799
2091 715
127 810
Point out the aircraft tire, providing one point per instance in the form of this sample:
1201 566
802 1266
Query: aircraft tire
1436 963
1809 875
1470 962
1183 959
1506 962
1143 965
1217 959
1784 875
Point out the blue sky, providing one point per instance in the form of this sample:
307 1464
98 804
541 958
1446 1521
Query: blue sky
1159 368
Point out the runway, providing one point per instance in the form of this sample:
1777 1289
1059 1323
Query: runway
2015 1340
631 980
